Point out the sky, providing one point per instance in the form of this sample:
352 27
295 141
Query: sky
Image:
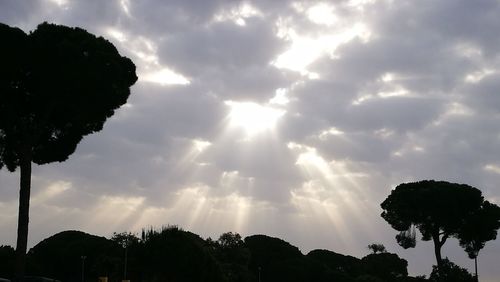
293 119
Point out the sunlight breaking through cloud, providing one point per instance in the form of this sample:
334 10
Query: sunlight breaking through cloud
252 117
304 49
477 76
125 5
116 34
322 14
53 190
112 211
332 182
197 208
201 145
146 51
310 200
165 76
280 98
331 131
237 14
60 3
492 168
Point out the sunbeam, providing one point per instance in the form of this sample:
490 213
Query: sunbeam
332 192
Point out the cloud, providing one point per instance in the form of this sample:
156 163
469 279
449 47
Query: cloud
370 93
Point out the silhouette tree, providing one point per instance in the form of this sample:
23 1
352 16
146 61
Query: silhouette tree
57 84
171 254
450 272
479 228
125 240
230 240
176 255
386 266
277 260
232 256
377 248
438 209
346 266
7 257
59 257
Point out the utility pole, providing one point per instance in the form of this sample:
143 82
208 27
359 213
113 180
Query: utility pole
83 267
125 264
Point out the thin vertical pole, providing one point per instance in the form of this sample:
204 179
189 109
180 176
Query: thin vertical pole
475 265
83 268
125 265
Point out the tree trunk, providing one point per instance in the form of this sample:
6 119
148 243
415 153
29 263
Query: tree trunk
23 217
475 266
437 251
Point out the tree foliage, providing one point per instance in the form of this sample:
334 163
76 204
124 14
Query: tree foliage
176 255
230 240
342 265
125 239
60 257
232 255
479 228
438 209
57 85
171 254
385 266
7 257
450 272
377 248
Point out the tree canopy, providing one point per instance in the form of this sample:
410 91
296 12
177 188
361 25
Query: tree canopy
171 254
389 267
450 272
60 256
377 248
480 227
439 210
57 85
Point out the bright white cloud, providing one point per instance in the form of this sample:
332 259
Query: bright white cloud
201 145
237 14
280 97
477 76
60 3
165 77
492 168
116 34
252 117
125 4
304 50
322 13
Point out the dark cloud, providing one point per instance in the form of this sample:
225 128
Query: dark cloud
21 13
483 97
223 44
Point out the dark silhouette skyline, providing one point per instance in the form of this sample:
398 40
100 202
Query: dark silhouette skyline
171 254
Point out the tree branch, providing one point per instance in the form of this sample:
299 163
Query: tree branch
443 240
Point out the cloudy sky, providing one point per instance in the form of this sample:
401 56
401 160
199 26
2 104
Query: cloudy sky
289 118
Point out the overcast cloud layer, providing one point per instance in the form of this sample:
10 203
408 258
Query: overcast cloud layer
348 99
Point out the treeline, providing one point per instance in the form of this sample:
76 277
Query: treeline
171 254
